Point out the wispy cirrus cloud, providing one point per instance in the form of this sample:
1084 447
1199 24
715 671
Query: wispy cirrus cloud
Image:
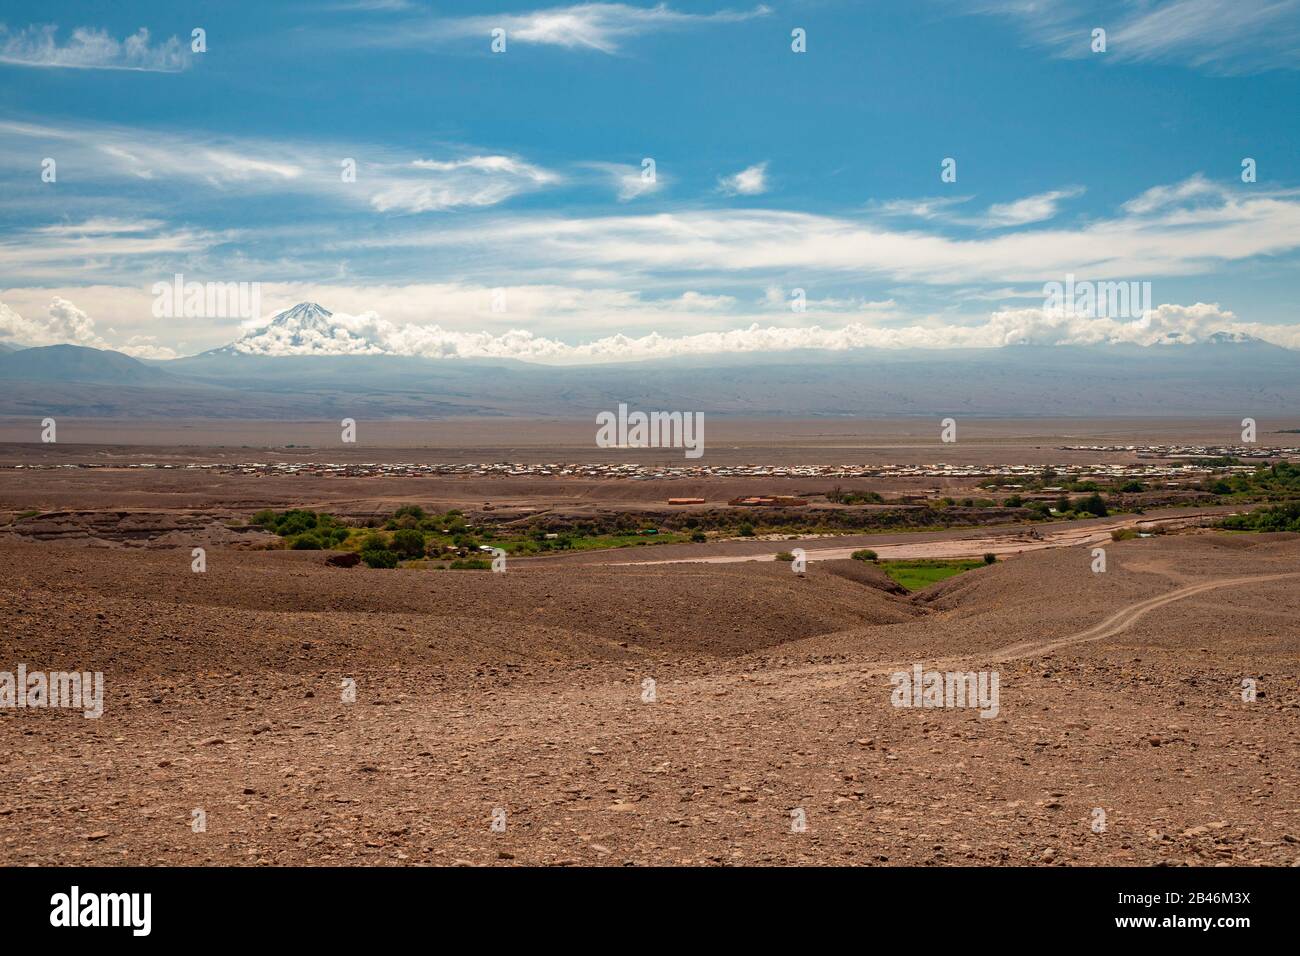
91 49
94 245
427 185
1030 209
1155 237
603 27
1220 36
384 179
1039 207
927 207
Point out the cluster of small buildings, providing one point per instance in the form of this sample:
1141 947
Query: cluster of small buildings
1169 468
1191 451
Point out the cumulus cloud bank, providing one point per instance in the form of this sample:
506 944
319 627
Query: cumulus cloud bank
65 324
369 334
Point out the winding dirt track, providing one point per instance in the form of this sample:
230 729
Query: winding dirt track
1117 623
1125 618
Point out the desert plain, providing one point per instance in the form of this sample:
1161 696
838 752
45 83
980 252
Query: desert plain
689 703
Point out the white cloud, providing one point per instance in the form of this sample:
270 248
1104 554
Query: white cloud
1037 208
1162 197
603 27
751 181
1231 225
1222 36
385 180
428 185
91 49
64 323
629 182
928 207
454 320
61 249
368 333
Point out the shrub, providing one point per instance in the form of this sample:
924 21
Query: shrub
265 518
470 564
784 556
374 542
410 511
699 536
408 542
306 542
1123 534
1094 504
295 523
866 554
990 558
747 530
379 559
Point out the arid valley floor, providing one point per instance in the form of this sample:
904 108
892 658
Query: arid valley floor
520 698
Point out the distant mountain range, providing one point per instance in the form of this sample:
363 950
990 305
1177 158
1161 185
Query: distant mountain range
1228 374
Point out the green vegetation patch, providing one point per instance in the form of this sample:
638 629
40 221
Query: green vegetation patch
412 534
1274 481
1272 518
918 574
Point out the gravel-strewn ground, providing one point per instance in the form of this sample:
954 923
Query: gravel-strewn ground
524 692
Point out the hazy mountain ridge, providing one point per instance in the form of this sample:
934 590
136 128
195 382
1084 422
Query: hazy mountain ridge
1229 374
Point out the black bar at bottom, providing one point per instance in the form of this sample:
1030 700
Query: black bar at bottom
535 905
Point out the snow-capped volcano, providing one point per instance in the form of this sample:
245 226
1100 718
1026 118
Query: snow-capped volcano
304 319
310 329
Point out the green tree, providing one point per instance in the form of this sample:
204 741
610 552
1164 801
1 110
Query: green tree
1094 504
408 543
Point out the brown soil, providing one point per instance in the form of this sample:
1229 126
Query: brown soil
524 692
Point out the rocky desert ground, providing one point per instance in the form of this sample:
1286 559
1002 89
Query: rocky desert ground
273 710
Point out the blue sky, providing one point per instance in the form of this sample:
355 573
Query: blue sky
522 171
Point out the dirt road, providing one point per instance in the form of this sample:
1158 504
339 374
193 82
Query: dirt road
1009 541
